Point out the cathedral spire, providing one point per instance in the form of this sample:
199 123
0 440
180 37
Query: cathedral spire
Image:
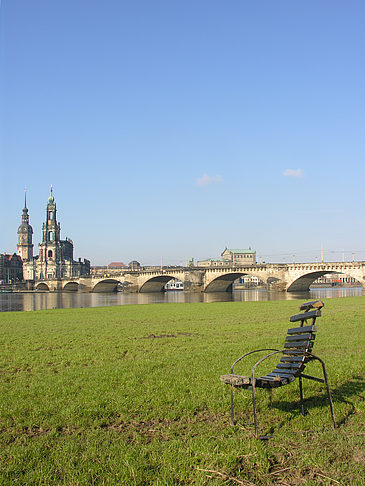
51 198
25 232
25 215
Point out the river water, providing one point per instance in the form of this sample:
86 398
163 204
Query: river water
29 301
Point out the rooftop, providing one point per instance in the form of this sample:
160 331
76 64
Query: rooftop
239 251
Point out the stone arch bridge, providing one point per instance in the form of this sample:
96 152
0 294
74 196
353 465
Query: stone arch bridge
285 277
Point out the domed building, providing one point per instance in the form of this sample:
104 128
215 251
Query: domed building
55 259
134 265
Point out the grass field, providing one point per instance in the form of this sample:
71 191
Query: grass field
131 395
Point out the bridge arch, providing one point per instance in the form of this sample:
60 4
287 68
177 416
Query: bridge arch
303 282
155 284
42 287
71 287
107 285
223 283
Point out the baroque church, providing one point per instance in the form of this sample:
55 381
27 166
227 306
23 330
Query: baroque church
55 259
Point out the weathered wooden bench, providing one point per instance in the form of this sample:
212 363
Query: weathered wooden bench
297 353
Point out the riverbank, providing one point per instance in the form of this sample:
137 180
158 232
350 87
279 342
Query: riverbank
131 395
60 300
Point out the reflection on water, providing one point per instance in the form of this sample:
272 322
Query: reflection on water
62 300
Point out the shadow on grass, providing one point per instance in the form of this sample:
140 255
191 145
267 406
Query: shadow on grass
352 388
342 394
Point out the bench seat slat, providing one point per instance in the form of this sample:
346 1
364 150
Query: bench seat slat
236 380
290 365
283 379
314 304
276 380
279 373
298 344
291 359
295 352
301 330
306 315
285 372
301 337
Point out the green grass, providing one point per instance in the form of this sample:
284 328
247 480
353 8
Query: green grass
131 395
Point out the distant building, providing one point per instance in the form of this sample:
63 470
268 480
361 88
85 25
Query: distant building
117 265
240 257
11 268
114 268
55 259
212 263
335 279
134 265
230 257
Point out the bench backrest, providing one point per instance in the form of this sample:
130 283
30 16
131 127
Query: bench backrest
299 340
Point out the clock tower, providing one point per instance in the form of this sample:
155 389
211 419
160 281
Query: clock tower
25 235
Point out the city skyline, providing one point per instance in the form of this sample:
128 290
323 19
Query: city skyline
175 130
292 257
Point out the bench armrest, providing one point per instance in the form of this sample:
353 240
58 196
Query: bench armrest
252 352
275 351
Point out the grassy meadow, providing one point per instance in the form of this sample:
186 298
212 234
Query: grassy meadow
131 395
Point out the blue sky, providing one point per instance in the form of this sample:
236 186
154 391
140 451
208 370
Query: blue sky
176 128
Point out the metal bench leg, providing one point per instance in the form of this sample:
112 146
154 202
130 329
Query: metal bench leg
232 411
270 390
254 406
301 395
329 394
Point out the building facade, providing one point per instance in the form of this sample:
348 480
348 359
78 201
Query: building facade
11 268
55 259
240 257
211 262
231 257
336 279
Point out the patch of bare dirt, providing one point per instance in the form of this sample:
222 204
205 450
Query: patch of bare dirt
154 336
34 431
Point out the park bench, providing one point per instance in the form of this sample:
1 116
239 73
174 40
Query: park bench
297 353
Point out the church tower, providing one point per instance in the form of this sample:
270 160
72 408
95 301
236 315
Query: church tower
50 249
25 235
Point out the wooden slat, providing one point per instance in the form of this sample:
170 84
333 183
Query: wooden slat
266 383
280 375
290 365
302 330
236 380
298 344
306 315
300 337
317 304
274 378
284 372
291 359
295 352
